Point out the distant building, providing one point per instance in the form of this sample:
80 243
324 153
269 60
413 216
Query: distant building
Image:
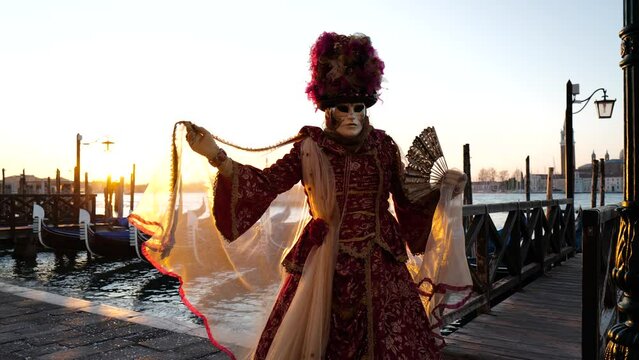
485 186
583 174
583 177
30 184
613 174
538 182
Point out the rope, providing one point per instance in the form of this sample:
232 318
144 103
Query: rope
270 147
167 246
250 149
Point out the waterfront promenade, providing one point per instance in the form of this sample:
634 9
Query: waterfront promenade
39 325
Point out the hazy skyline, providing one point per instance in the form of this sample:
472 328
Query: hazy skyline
489 73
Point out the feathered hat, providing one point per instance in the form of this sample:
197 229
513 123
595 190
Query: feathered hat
344 69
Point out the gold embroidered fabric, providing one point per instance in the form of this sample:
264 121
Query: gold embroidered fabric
232 285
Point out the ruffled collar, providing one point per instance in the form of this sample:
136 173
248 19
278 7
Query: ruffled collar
332 145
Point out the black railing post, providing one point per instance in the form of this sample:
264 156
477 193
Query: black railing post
623 338
590 311
571 236
483 261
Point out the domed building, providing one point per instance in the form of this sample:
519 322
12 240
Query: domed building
613 175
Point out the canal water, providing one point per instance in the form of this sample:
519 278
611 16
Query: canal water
131 284
135 285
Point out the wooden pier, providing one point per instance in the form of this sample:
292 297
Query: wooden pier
540 321
16 210
562 313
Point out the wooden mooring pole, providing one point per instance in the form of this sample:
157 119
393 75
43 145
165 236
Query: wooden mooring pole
593 188
76 176
132 194
527 178
549 188
87 195
119 198
602 192
57 181
58 189
108 196
23 182
2 181
623 338
468 190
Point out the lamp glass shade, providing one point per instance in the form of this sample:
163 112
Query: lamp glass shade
604 108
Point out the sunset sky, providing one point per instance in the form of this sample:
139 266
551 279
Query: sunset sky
490 73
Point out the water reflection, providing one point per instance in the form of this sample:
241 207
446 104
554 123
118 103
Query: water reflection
131 284
25 268
65 262
158 286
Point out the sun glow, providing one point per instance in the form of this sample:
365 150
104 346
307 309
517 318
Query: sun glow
100 163
242 75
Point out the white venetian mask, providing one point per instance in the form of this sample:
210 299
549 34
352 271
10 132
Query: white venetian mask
349 118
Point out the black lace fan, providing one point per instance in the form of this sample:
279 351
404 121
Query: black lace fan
426 165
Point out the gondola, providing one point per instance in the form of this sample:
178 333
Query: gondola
55 237
119 242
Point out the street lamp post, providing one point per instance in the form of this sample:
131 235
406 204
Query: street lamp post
604 111
569 152
623 338
76 175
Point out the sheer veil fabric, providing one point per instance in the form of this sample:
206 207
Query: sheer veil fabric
441 273
232 286
304 331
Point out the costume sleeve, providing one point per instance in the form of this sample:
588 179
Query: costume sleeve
415 220
241 199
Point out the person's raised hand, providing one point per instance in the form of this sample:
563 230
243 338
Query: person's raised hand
201 141
457 179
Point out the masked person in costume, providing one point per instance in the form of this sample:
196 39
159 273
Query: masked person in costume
355 285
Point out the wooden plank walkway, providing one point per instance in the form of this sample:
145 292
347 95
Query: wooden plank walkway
541 321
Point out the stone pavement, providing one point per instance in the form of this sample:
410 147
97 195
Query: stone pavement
39 325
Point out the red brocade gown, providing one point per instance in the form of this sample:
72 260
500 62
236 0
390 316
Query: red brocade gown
376 310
